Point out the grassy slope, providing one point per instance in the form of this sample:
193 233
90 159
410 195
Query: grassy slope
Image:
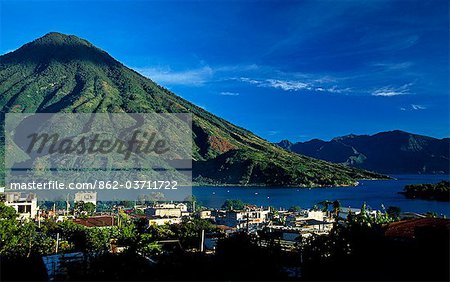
60 73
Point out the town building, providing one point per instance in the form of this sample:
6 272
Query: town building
163 221
97 221
25 205
250 217
205 214
167 210
86 197
301 218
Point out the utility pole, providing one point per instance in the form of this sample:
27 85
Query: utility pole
247 222
57 242
202 240
67 204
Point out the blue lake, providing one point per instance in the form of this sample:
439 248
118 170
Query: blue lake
374 193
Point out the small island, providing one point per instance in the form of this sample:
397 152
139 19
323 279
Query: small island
439 191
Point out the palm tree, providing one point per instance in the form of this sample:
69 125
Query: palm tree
325 205
336 209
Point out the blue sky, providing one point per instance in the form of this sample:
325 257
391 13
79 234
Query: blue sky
283 69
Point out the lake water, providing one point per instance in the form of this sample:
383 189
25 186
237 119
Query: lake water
374 193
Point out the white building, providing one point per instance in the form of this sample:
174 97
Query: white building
301 218
86 197
25 206
240 219
206 214
167 210
163 221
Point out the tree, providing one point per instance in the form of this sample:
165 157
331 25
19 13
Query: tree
393 212
127 204
82 208
20 239
294 209
188 232
325 205
7 212
230 204
336 209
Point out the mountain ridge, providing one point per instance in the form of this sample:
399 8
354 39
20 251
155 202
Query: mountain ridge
62 73
393 151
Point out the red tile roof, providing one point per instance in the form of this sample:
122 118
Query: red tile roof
407 228
225 228
96 221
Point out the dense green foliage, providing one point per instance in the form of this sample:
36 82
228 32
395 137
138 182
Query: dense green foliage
60 73
237 258
85 209
25 238
439 191
231 204
359 250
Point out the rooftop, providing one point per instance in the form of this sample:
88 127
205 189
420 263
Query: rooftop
96 221
407 228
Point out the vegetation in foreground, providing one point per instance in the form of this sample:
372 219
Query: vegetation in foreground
357 248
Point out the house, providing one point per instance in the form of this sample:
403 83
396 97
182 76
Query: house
206 214
86 197
97 221
301 218
162 221
250 216
346 211
56 265
410 228
167 210
317 226
25 205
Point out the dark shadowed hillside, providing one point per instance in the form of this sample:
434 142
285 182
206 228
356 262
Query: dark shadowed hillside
64 73
386 152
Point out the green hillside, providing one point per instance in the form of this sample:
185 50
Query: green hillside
64 73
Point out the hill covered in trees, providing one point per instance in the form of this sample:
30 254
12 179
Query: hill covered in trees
395 152
64 73
439 191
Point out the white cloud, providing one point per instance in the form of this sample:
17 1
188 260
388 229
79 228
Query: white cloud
272 132
414 107
418 107
234 68
296 85
394 66
335 89
390 91
194 77
226 93
288 85
251 81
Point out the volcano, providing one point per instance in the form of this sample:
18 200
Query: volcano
64 73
